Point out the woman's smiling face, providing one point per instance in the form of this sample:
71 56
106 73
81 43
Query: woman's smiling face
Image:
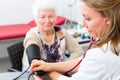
46 19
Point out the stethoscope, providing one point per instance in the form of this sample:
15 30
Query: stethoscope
92 41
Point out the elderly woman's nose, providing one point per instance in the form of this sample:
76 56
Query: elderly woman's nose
47 19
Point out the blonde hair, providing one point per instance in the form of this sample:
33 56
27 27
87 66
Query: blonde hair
111 10
43 4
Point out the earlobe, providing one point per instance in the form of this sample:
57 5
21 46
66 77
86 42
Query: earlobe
108 22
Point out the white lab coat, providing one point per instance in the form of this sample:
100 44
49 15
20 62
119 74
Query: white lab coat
98 64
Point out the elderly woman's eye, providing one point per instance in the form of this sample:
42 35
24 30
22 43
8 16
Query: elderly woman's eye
41 17
52 16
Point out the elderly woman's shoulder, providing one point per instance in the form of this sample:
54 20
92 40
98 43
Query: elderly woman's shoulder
33 30
62 33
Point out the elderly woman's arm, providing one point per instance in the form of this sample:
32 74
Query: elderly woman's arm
32 37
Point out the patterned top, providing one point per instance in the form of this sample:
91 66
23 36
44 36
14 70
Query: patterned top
51 51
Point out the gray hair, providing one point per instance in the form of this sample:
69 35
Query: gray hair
43 4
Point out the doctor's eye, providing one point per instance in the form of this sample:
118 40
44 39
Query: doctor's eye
88 19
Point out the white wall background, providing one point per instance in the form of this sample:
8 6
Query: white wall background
20 11
15 11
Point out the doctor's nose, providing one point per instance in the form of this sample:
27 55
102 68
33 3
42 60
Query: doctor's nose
84 24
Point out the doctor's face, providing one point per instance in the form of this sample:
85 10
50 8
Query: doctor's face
95 23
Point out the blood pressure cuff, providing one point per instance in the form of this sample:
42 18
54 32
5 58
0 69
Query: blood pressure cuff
33 52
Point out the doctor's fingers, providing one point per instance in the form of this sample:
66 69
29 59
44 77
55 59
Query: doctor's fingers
37 65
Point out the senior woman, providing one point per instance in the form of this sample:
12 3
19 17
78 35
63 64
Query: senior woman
102 20
52 41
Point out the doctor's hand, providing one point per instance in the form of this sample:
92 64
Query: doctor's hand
37 65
